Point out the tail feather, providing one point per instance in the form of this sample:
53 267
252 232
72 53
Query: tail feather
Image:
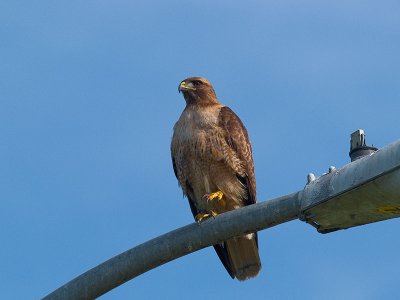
240 256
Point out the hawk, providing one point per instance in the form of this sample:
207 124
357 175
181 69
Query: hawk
212 160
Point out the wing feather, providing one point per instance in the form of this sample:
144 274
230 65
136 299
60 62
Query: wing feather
238 139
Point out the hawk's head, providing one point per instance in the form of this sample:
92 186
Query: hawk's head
198 90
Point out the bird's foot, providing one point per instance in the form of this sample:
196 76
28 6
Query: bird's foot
215 196
204 216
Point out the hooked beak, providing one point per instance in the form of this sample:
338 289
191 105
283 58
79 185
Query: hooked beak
184 86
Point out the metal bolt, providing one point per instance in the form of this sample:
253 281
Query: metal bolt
310 178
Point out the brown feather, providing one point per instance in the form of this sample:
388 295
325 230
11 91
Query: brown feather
238 138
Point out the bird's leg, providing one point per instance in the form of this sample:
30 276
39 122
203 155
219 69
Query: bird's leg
203 216
212 198
215 196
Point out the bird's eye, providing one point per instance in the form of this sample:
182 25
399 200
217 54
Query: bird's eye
196 82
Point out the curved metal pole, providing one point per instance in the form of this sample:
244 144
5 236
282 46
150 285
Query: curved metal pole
177 243
361 192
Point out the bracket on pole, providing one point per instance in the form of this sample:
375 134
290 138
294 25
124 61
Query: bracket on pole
358 146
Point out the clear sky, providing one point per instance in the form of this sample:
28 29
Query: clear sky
88 101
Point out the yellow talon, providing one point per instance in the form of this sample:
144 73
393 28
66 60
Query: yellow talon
213 213
201 217
217 195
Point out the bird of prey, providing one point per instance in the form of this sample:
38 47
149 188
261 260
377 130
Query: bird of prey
212 160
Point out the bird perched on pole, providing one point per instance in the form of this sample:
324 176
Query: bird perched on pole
212 160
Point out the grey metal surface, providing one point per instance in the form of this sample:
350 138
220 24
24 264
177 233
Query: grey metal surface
177 243
364 191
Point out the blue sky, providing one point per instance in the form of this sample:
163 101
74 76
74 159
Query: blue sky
88 101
